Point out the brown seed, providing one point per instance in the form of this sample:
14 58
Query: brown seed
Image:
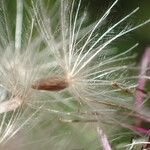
54 83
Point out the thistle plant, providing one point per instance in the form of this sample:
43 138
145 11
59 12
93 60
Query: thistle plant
64 86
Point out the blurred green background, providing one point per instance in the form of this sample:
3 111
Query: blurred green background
97 7
141 35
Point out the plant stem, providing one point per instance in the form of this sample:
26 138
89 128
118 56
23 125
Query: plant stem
139 95
103 139
19 18
145 62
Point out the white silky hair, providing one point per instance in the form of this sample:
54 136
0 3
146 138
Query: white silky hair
80 54
20 65
83 55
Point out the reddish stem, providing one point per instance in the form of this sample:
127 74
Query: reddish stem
139 95
138 129
145 62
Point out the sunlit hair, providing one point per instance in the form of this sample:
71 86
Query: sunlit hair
86 63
